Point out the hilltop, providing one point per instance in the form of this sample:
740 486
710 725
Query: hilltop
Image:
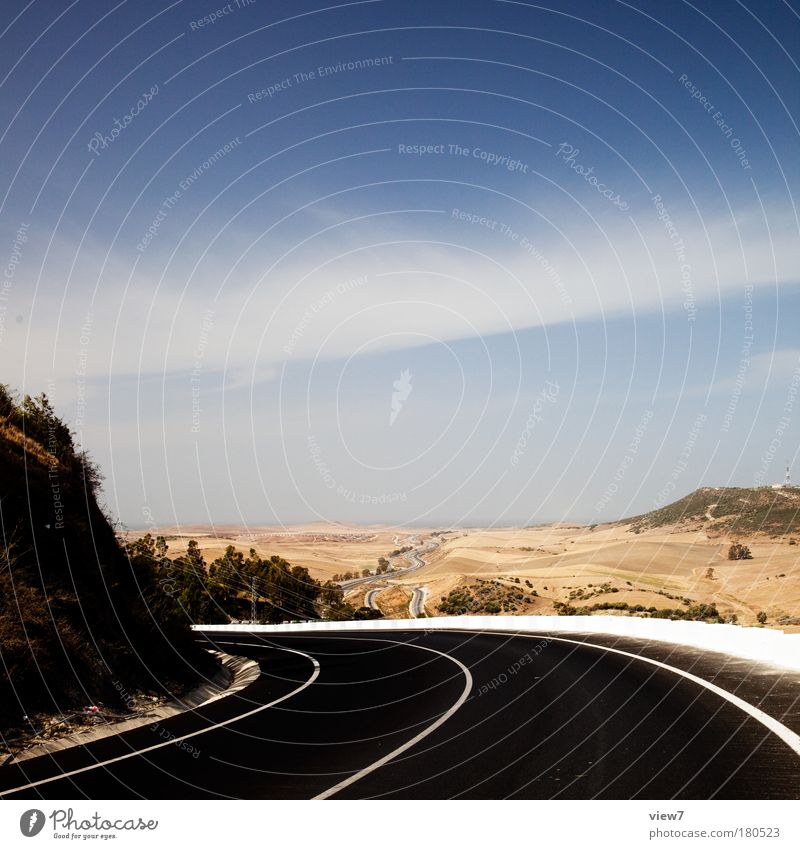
727 511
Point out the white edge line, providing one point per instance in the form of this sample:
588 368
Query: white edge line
775 726
788 736
326 794
173 740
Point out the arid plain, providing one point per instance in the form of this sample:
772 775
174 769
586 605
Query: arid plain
633 567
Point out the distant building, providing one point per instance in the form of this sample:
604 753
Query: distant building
787 481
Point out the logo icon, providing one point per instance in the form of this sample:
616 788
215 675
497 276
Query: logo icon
31 822
402 389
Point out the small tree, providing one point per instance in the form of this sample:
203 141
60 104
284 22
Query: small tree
737 551
710 573
367 613
761 618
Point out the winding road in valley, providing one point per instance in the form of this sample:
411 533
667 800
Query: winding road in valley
443 714
414 560
416 606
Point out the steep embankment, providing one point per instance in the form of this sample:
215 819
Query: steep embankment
74 628
728 511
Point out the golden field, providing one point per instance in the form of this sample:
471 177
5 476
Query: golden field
665 568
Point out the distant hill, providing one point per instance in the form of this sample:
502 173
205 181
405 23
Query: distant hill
731 511
74 626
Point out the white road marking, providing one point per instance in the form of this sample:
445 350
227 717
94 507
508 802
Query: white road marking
407 745
173 740
775 726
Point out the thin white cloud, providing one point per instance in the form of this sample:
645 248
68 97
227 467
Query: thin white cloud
383 288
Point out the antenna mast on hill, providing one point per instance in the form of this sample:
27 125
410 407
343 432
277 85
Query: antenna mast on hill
787 480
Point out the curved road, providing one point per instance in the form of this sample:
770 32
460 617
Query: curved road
438 715
416 607
413 558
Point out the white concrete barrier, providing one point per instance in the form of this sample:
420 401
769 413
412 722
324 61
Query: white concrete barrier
760 644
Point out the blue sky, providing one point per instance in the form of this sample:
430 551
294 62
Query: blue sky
229 231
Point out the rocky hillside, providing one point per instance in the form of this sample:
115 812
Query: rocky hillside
74 626
729 511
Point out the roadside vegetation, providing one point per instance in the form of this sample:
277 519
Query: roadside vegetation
74 617
185 588
485 597
83 617
693 613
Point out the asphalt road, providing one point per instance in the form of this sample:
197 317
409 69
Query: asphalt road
369 599
416 606
414 560
435 715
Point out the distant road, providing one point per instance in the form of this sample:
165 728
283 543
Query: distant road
443 714
416 606
369 599
413 558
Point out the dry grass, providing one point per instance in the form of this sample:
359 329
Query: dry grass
560 562
393 602
13 435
